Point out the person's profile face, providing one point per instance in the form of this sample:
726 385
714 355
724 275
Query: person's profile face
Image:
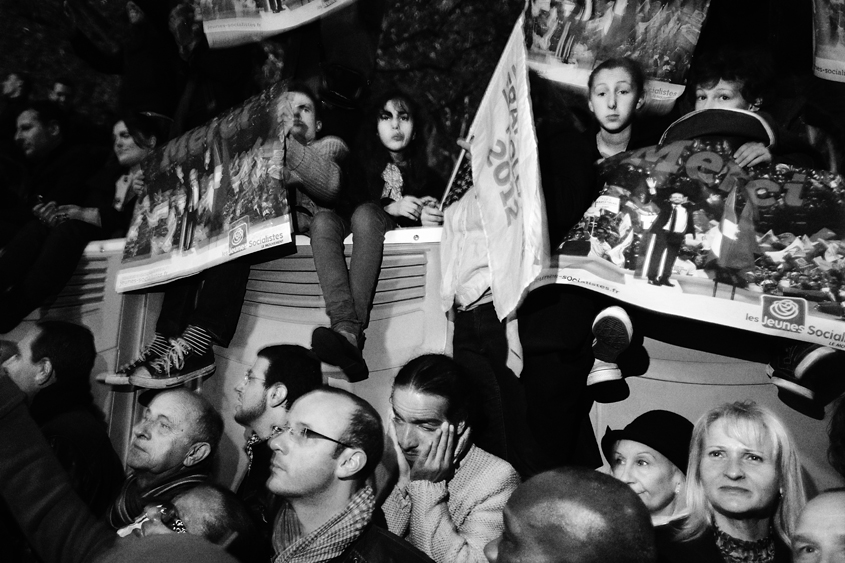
726 94
739 476
20 368
33 137
61 95
649 474
251 393
614 99
304 114
416 419
304 467
820 531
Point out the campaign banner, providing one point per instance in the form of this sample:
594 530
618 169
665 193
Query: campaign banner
681 229
212 195
569 38
234 22
505 171
829 39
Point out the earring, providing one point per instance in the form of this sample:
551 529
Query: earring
677 488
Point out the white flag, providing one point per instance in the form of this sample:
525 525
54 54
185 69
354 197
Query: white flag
506 174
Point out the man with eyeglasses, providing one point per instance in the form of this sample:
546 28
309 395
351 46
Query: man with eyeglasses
323 457
279 376
171 451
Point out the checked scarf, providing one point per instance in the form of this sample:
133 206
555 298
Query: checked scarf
329 540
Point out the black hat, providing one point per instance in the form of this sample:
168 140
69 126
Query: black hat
664 431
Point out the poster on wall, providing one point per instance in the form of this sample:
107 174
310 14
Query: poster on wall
568 38
681 229
228 23
212 195
829 39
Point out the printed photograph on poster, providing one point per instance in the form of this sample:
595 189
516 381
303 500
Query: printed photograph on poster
212 195
568 38
681 229
829 39
227 23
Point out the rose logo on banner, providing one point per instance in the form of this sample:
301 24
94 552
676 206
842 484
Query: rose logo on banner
784 313
238 236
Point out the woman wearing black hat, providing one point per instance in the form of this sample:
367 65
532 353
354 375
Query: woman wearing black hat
650 455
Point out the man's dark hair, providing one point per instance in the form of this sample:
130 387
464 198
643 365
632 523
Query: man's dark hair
436 374
227 522
303 88
750 68
628 65
47 112
297 368
364 431
70 348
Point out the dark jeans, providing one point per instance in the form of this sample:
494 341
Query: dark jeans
349 292
211 300
37 264
480 346
555 328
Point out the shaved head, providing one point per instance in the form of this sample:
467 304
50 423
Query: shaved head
570 515
820 532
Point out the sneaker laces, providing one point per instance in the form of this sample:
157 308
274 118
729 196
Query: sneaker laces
142 357
174 358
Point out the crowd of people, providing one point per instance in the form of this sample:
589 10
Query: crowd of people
728 488
495 455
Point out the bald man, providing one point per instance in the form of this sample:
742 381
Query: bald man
172 449
574 515
820 533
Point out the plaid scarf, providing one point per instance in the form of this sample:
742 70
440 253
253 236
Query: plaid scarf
393 182
329 540
132 500
250 445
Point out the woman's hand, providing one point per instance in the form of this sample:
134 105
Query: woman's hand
86 214
409 206
431 216
751 154
138 184
48 213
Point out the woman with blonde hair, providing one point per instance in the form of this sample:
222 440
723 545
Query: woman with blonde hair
744 490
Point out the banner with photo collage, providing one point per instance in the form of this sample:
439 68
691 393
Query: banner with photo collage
212 195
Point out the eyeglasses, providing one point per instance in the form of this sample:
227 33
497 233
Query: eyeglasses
169 516
247 377
301 433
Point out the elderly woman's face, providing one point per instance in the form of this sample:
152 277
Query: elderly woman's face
740 478
649 473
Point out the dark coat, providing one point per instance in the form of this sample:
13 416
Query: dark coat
377 545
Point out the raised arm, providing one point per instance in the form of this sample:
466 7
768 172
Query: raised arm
316 167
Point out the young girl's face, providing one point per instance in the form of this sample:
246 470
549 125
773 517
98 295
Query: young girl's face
395 126
726 94
614 99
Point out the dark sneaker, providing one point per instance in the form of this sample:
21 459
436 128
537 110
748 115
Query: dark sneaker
334 349
796 371
121 374
179 365
612 329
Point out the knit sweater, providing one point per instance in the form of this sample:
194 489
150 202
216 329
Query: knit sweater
453 521
315 171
